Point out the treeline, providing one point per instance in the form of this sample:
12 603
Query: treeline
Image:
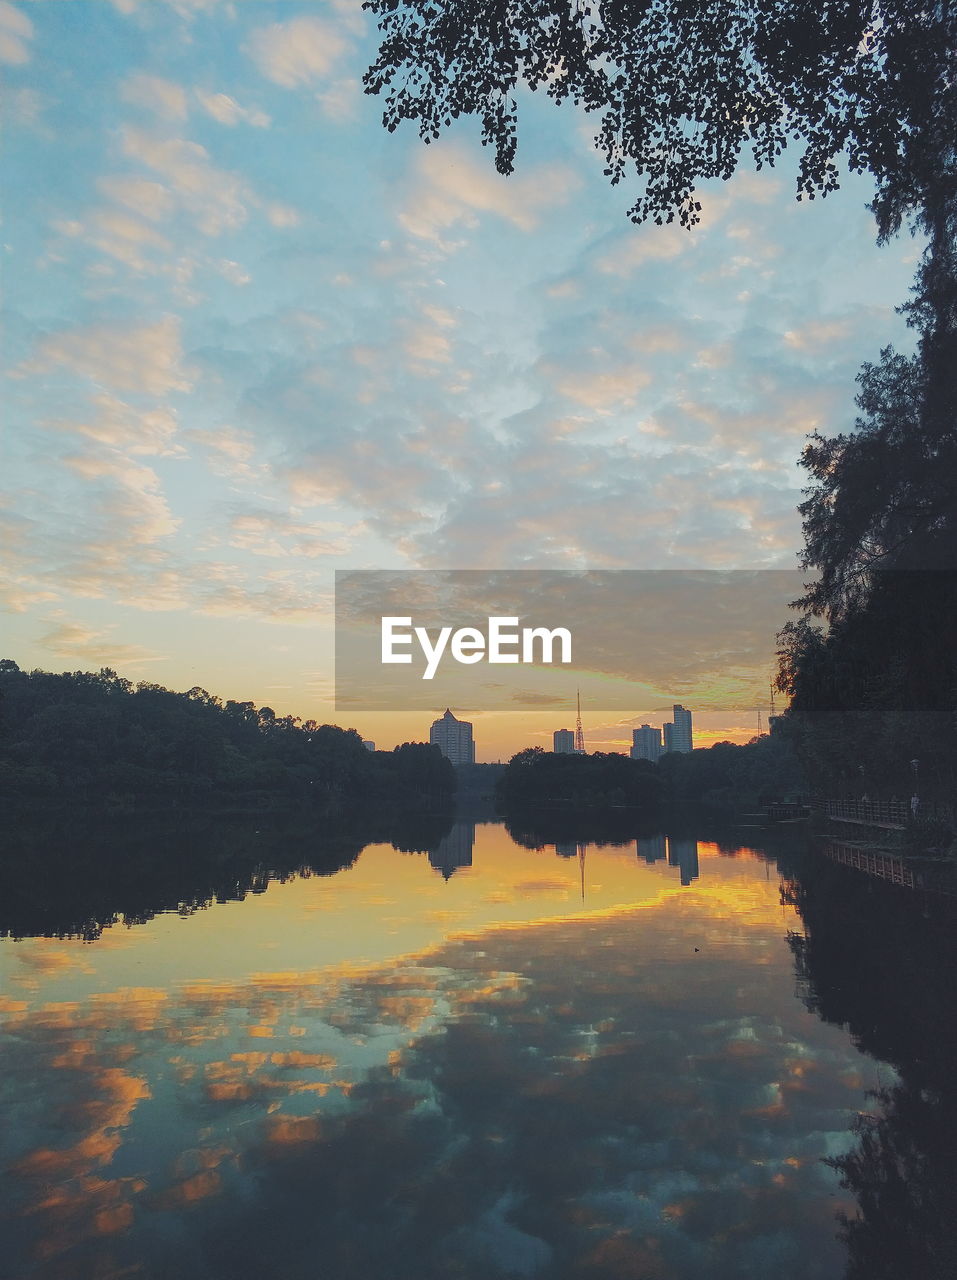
730 775
725 776
538 777
84 736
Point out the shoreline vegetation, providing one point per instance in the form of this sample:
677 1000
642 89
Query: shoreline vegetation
84 737
94 741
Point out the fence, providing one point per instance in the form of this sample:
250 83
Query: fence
933 876
893 814
874 813
874 863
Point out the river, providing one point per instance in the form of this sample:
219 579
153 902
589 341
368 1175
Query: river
489 1060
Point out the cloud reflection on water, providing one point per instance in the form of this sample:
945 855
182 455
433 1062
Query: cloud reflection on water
573 1098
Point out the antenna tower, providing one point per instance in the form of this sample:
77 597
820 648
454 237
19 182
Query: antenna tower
579 732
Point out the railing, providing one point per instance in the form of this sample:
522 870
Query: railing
875 813
934 876
892 813
876 864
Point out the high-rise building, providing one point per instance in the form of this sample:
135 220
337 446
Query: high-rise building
563 742
645 743
453 738
678 732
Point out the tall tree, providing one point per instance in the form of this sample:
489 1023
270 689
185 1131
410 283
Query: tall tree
884 497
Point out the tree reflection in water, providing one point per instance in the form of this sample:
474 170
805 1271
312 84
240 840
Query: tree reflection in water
72 875
881 961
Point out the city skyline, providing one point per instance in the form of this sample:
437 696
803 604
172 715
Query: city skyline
454 737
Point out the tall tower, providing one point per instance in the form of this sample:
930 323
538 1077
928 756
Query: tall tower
579 732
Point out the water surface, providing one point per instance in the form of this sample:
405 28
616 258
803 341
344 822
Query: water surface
487 1061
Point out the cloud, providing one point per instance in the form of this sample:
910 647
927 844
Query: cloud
138 431
281 215
16 30
146 359
340 101
227 111
816 334
231 452
128 496
642 245
529 698
119 235
186 9
215 198
279 536
268 599
162 97
149 199
232 271
79 643
451 185
296 53
602 389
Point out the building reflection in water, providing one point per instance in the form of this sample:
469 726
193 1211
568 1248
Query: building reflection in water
454 851
682 854
652 849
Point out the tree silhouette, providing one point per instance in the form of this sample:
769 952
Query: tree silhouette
85 736
686 89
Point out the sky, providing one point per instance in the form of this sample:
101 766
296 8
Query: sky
251 338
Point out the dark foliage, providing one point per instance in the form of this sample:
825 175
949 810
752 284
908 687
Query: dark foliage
884 497
881 965
729 775
537 777
878 689
82 736
685 89
724 776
